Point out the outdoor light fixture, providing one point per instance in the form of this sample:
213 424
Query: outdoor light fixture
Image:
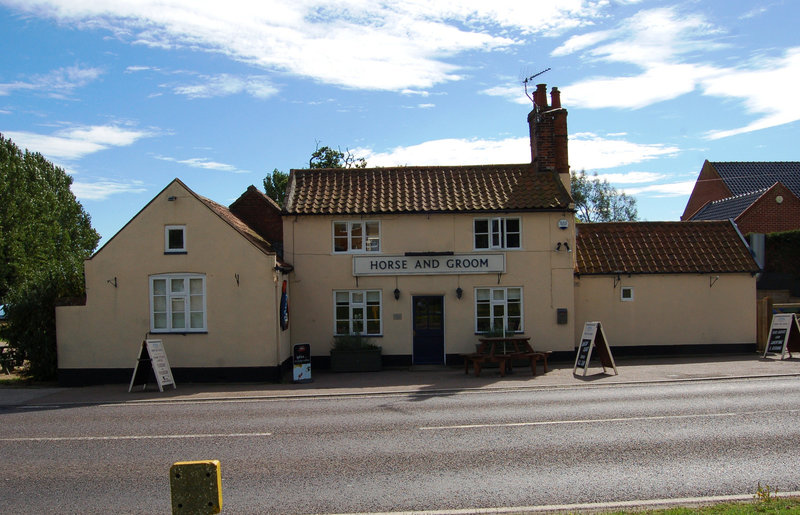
459 292
172 198
396 294
558 247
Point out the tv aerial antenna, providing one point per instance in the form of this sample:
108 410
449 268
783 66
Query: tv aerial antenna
530 79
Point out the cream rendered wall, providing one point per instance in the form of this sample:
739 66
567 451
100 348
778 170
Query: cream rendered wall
545 275
672 309
241 318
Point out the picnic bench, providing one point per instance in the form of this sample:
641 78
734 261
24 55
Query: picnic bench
504 351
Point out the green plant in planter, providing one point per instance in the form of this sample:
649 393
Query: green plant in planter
354 341
355 353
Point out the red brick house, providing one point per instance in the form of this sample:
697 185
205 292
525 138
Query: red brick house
761 197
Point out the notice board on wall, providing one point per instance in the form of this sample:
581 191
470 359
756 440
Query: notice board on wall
784 335
152 357
594 337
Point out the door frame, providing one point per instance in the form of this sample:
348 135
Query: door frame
413 325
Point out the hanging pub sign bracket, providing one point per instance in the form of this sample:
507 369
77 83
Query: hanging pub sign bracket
593 336
784 335
152 356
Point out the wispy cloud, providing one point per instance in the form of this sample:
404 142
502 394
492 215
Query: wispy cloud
674 189
352 43
258 86
59 83
203 163
104 188
589 151
76 142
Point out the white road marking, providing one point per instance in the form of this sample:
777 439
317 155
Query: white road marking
600 506
596 420
132 437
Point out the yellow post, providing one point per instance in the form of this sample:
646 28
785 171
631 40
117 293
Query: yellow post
196 487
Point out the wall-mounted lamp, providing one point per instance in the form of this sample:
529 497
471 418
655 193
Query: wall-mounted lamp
172 198
396 294
566 245
459 292
112 283
558 247
712 279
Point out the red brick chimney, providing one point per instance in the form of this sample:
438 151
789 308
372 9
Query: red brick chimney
548 130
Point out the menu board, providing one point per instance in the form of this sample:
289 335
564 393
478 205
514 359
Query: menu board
784 335
152 356
593 337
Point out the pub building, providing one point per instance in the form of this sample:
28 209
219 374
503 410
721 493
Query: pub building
422 260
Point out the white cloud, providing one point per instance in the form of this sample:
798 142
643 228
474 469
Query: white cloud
631 177
76 142
258 86
58 83
102 189
358 44
204 163
675 189
588 151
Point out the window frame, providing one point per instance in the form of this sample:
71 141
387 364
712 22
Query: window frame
355 305
167 249
495 302
496 233
185 296
366 239
622 291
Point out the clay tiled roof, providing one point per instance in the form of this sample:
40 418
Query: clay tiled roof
415 189
747 176
661 248
726 208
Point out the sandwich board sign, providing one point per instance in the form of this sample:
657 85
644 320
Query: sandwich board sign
593 337
784 335
152 356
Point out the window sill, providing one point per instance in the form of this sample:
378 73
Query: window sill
184 333
168 252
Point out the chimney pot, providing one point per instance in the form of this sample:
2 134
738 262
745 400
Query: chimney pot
540 96
555 98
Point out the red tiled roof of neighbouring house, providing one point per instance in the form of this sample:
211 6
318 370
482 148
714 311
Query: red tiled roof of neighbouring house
661 248
427 189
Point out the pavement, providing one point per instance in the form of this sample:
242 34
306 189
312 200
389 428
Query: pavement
418 381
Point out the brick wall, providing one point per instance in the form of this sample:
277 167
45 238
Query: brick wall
548 132
709 186
766 215
260 213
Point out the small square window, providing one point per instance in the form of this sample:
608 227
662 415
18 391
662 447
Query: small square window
626 294
175 238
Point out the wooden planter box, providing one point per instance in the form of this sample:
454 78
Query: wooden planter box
361 360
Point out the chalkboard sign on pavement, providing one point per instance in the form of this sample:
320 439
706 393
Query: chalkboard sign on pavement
152 356
593 337
784 335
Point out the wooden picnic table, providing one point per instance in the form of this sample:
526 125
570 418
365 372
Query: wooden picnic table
503 350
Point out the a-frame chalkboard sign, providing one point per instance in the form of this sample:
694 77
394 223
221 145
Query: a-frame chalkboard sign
784 335
152 356
593 336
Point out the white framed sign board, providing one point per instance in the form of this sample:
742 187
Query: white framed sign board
593 337
784 335
152 356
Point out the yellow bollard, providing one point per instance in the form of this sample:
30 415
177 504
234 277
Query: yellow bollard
196 487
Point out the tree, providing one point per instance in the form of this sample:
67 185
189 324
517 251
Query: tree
44 236
275 185
322 157
326 157
597 201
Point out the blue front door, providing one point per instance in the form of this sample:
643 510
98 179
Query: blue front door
428 330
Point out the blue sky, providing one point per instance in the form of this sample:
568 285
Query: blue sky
127 95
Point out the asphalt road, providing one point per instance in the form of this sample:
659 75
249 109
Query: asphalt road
468 450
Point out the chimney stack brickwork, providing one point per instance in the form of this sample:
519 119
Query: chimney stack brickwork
548 132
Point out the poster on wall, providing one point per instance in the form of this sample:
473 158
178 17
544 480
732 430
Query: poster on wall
152 357
593 337
784 335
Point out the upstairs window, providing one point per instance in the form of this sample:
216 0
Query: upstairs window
496 233
356 237
175 239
